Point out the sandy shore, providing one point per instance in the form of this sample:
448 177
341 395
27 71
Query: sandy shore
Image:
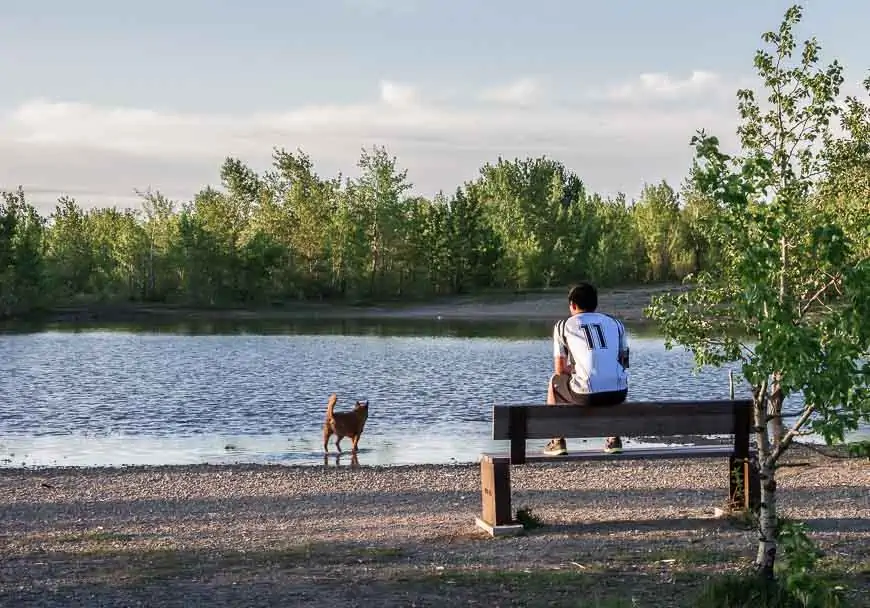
403 536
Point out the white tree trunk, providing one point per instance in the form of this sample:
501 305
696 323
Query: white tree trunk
766 556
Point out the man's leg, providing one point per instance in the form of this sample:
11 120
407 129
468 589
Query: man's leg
558 392
612 445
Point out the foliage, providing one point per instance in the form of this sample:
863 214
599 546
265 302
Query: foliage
790 299
22 237
801 583
859 449
292 234
799 572
745 590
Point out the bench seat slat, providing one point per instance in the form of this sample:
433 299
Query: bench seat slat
671 418
655 453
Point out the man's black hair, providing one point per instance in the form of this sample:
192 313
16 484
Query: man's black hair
584 296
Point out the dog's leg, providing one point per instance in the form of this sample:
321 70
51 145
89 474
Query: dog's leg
338 439
327 433
355 440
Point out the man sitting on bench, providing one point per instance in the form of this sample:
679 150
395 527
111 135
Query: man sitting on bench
590 355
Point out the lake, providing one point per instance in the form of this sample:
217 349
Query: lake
256 392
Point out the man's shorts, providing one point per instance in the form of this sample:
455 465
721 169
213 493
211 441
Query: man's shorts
564 394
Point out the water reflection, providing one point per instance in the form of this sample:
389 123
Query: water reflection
461 328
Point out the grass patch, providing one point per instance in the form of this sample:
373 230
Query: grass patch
744 591
563 587
96 536
171 564
528 519
390 575
749 590
679 556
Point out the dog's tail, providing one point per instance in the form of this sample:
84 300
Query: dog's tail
330 406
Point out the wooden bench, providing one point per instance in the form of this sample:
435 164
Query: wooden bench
519 423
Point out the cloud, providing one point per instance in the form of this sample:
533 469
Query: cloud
58 146
396 94
659 85
520 92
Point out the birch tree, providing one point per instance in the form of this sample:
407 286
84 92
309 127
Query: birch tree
791 298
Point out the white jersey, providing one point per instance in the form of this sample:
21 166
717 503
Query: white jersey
593 343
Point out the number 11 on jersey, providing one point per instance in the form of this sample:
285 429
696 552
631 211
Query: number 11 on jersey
591 336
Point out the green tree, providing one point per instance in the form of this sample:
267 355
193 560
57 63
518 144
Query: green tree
70 250
618 256
657 215
578 236
161 264
474 246
379 192
791 301
117 253
696 214
432 258
308 205
22 264
525 202
845 189
348 243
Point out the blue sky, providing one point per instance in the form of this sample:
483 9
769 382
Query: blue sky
100 97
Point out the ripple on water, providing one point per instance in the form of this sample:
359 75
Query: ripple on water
112 398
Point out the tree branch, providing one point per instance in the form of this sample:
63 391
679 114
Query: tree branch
819 294
793 432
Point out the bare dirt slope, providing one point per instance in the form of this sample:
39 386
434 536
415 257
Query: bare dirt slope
628 304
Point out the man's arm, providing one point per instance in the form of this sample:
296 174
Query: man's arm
560 352
623 347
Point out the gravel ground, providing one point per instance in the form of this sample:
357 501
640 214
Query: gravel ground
398 536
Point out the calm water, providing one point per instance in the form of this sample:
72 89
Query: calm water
257 392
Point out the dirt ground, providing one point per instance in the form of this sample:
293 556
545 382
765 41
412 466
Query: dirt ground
626 303
620 533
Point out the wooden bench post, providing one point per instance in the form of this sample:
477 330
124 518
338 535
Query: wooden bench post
518 428
495 490
753 476
744 482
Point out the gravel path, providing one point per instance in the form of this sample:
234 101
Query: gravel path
275 535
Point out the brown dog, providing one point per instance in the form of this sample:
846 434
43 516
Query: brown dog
344 424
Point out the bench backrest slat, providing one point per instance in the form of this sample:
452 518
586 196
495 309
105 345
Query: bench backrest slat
639 418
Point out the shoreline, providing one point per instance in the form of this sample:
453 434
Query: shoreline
626 303
396 535
799 454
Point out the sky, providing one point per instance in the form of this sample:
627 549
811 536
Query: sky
101 98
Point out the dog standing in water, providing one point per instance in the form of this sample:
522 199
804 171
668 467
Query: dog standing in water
344 424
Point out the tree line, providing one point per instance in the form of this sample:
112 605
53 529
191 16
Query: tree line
289 234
